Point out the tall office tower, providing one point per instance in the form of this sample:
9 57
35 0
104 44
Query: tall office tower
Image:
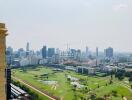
78 55
3 35
86 52
44 52
51 52
27 46
9 52
109 52
97 56
73 53
27 49
97 52
57 51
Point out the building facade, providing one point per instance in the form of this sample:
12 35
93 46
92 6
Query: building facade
51 52
3 34
44 52
109 52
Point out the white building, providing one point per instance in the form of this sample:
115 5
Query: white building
43 61
33 60
30 60
24 62
109 68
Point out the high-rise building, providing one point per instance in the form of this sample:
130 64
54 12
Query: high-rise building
109 52
73 53
27 46
44 52
86 52
51 52
97 56
78 55
21 53
9 52
97 53
27 49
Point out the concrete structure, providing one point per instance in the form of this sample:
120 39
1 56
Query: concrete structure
3 34
51 52
27 49
85 70
43 61
108 68
109 52
70 68
44 52
9 58
33 60
97 56
30 60
87 52
24 62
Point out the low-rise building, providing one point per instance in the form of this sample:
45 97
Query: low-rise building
108 68
85 70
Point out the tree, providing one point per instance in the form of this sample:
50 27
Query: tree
106 84
68 79
98 86
110 81
131 86
114 93
47 77
128 74
130 79
93 97
99 98
74 87
120 74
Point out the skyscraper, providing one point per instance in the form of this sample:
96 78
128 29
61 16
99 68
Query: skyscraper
27 46
27 49
97 56
109 52
51 52
44 52
86 52
9 52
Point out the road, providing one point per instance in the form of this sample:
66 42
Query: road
51 98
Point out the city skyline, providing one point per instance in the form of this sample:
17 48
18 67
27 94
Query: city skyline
77 23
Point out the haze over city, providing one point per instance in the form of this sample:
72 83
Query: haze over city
79 23
65 50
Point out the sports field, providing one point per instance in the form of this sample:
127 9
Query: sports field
58 84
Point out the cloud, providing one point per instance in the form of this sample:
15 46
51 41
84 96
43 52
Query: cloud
120 7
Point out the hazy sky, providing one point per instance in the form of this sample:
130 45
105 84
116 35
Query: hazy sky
79 23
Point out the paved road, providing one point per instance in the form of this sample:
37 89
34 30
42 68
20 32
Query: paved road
33 88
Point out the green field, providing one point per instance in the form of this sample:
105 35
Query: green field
65 91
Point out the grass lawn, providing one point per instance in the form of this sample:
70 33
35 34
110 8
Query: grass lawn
64 89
